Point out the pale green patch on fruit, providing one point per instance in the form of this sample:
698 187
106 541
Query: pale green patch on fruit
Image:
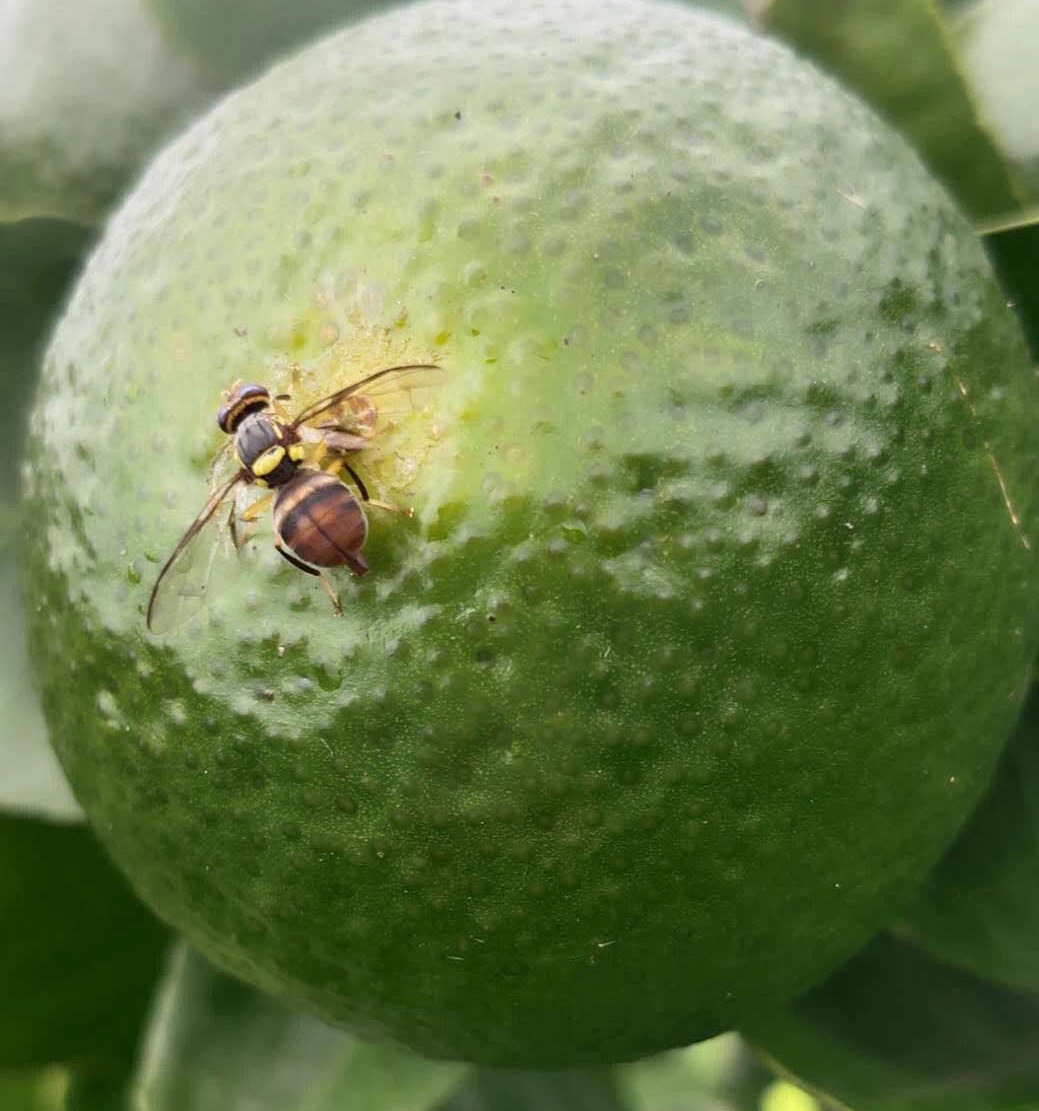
719 592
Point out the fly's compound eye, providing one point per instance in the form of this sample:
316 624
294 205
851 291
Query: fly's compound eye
243 399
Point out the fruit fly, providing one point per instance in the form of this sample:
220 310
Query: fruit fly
318 521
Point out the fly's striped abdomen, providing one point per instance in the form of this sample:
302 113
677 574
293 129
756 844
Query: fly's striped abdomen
317 517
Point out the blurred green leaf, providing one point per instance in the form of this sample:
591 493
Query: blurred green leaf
216 1044
37 261
87 90
900 58
100 1089
1015 253
980 909
229 42
1000 43
33 1089
896 1030
31 780
79 955
1015 221
530 1090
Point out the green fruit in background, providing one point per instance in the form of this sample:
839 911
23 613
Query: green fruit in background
87 91
229 41
998 44
720 590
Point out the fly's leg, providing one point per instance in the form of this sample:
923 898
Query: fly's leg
261 505
340 464
248 515
329 589
405 509
232 523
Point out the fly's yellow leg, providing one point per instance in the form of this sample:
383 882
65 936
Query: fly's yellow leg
340 464
337 609
247 515
258 507
318 452
405 509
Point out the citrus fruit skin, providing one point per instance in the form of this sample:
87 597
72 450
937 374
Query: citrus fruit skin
719 595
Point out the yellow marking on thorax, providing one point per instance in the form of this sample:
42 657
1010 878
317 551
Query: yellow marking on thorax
297 453
266 462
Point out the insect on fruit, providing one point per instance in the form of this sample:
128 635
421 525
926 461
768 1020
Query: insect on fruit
318 521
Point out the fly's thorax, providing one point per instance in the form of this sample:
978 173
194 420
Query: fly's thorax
268 449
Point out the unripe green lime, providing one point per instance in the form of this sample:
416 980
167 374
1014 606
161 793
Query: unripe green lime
720 588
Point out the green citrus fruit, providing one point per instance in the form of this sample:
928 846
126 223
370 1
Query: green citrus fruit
719 592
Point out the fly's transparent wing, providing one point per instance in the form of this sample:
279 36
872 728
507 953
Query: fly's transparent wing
180 589
395 387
